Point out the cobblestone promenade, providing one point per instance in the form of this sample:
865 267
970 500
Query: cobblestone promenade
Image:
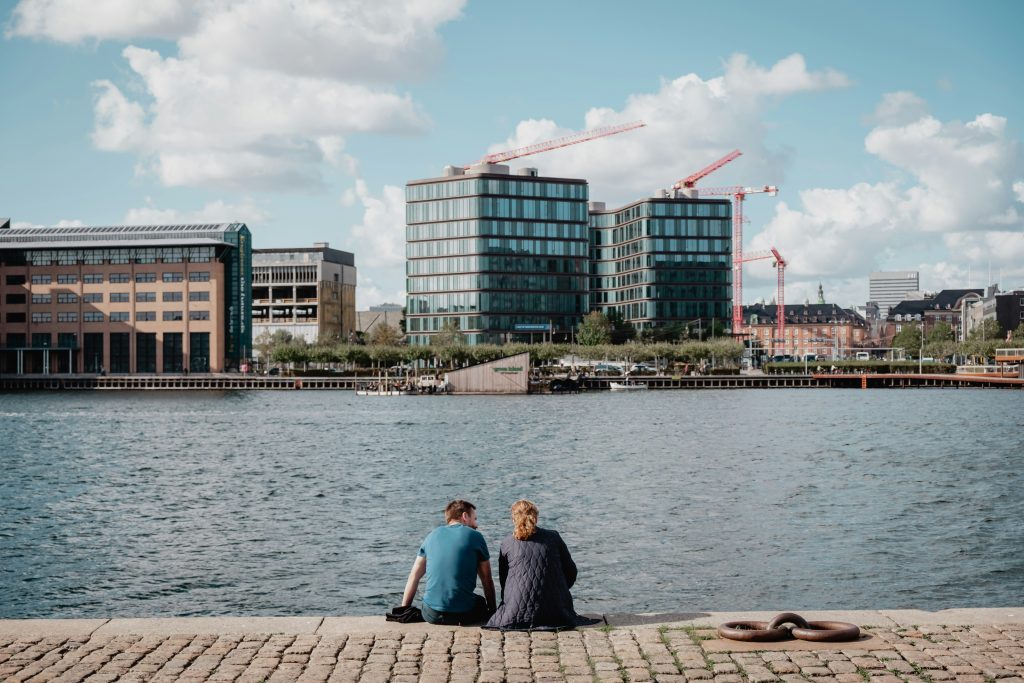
667 652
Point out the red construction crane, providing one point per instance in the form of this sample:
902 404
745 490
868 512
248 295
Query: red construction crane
738 194
574 139
691 180
780 311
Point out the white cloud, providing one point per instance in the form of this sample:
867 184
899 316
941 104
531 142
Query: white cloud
368 293
690 123
960 202
379 240
213 212
261 93
72 21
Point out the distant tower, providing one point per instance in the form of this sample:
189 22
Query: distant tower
821 294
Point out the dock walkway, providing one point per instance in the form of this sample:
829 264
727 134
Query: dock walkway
898 646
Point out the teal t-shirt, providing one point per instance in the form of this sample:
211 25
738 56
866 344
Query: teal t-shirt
453 554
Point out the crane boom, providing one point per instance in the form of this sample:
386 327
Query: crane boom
565 141
691 180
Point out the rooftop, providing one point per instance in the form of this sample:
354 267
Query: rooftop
116 235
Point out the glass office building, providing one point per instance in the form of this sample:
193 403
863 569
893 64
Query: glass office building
502 257
662 261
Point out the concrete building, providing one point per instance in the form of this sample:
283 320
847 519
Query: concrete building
662 260
891 287
820 329
946 306
307 292
500 256
125 299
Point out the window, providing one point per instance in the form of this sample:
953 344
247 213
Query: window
92 317
92 278
174 277
174 360
41 279
198 296
145 352
119 297
145 277
41 299
120 351
172 316
16 298
145 316
199 351
116 278
15 317
67 279
119 317
66 298
42 340
15 340
67 340
93 298
199 276
145 296
42 317
172 296
92 353
67 316
198 315
15 279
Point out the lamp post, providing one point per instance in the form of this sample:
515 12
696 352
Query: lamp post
920 355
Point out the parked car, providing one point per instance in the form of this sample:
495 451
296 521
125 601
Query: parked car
642 367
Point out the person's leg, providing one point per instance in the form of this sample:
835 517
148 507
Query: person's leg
479 613
432 616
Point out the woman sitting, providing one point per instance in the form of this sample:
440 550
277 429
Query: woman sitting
536 573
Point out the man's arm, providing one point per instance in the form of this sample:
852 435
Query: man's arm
419 568
483 570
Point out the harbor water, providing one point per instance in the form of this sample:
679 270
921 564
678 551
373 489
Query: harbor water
117 504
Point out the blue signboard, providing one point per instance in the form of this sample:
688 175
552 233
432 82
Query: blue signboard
532 327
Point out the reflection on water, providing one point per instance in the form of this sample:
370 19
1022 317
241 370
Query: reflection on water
144 504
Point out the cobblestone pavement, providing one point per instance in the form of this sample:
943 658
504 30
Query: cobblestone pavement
933 654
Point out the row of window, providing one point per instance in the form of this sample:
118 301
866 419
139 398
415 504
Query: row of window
666 245
497 264
663 276
99 316
141 255
663 293
517 187
497 207
682 209
496 228
496 245
663 227
443 283
502 323
498 302
668 261
97 278
115 297
669 310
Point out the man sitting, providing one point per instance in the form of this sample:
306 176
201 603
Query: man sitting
452 556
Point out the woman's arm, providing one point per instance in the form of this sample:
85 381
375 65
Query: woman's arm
568 566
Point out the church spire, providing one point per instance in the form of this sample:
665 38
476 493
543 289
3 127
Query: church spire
821 294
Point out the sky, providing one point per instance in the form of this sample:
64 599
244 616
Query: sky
893 129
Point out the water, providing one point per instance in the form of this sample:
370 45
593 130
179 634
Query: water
311 503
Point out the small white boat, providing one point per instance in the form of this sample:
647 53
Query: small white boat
383 392
627 386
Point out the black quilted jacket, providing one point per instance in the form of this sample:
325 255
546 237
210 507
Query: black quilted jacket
536 575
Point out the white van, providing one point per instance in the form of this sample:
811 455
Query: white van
863 355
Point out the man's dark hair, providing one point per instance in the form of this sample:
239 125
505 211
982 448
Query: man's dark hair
456 508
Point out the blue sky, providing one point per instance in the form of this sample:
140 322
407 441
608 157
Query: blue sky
893 129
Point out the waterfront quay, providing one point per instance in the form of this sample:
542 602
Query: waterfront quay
896 646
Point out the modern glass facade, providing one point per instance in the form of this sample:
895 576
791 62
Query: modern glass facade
661 261
488 251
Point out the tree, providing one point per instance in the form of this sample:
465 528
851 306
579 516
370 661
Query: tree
622 331
942 332
268 341
908 339
595 329
448 335
385 335
988 330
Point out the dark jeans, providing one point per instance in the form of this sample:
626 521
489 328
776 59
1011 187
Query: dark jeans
477 615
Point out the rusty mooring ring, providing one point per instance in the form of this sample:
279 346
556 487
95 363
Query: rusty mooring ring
827 632
751 631
775 630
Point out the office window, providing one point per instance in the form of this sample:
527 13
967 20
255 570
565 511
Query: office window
15 340
120 351
67 316
67 279
15 279
41 317
92 278
93 298
92 317
66 298
198 296
199 351
42 340
41 279
119 297
119 317
145 296
16 298
172 296
199 276
145 316
198 315
174 358
173 316
92 351
174 277
145 277
67 340
41 299
145 352
118 278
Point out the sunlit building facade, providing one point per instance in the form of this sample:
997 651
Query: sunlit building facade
499 256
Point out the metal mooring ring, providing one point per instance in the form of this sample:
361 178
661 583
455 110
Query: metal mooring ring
827 632
751 631
788 618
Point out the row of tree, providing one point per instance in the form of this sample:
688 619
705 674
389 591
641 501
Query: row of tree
940 342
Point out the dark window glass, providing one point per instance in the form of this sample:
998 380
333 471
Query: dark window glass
145 316
67 340
92 351
199 276
16 340
119 297
145 296
172 316
172 296
174 358
42 340
198 296
15 279
145 277
145 352
173 277
199 351
120 278
120 351
15 298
